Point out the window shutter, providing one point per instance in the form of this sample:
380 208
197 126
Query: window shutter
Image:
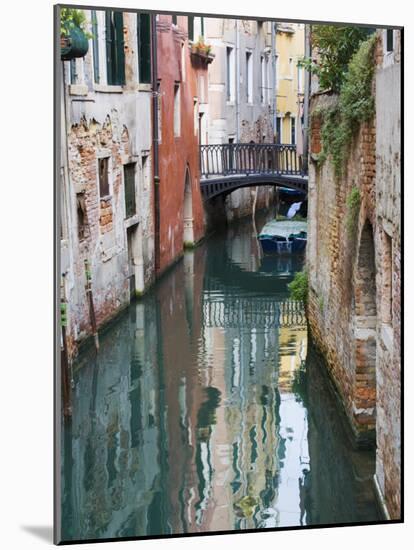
119 53
190 27
390 40
129 178
109 42
144 47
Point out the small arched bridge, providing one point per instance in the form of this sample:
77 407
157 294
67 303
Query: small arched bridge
229 166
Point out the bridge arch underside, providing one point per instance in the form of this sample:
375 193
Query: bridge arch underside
214 187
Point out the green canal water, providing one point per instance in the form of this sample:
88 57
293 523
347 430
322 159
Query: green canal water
207 409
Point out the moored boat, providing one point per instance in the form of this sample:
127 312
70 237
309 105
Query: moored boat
284 237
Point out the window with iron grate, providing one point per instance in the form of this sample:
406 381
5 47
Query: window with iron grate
129 180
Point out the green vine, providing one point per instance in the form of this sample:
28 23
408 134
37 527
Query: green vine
353 203
298 288
321 303
355 106
71 18
335 45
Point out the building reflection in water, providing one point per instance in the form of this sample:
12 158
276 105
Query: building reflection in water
204 412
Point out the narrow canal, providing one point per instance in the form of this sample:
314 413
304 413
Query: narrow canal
206 411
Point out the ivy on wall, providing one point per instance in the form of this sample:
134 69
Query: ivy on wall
355 105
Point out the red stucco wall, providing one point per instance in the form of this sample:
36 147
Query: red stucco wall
176 153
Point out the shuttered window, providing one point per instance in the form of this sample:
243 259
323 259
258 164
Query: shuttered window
293 131
390 40
144 47
115 56
129 178
190 28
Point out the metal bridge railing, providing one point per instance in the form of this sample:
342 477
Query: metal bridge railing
242 313
250 158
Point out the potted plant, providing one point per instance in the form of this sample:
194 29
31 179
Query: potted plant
73 34
202 50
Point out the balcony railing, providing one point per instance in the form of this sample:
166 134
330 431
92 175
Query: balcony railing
250 158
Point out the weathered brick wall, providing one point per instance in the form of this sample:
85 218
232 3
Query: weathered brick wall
100 121
104 243
354 277
333 268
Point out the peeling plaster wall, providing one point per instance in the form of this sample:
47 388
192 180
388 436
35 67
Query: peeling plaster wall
100 120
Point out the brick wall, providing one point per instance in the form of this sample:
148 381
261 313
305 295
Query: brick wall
354 277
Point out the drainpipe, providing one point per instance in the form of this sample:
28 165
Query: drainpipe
306 101
274 79
155 157
237 66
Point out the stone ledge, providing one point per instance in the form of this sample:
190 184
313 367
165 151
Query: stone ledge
108 88
78 89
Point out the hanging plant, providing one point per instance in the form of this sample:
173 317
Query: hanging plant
73 34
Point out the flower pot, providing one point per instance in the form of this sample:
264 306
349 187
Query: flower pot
74 45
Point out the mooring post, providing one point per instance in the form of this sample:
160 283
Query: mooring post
90 303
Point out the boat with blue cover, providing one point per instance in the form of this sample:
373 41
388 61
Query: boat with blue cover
284 237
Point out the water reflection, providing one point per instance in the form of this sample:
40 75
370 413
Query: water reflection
204 411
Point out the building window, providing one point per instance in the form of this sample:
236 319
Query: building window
300 79
278 129
267 84
230 85
103 165
277 69
145 171
174 20
81 216
249 77
293 131
390 40
159 101
198 27
183 59
129 180
177 110
115 57
95 46
262 79
196 117
190 27
73 72
144 47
